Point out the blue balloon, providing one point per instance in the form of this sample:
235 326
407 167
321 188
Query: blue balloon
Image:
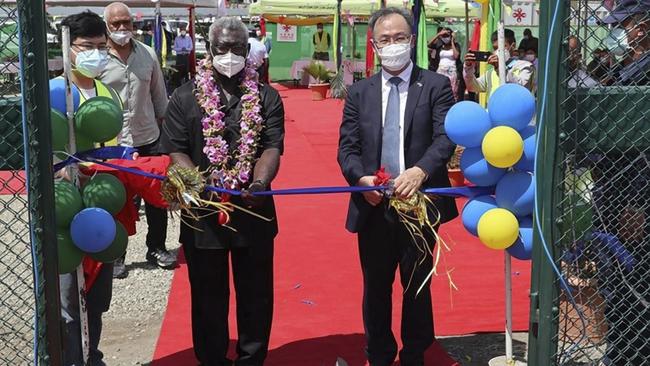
511 105
57 95
527 161
477 170
516 193
467 123
474 209
92 230
523 247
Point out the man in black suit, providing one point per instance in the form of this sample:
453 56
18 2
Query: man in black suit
395 119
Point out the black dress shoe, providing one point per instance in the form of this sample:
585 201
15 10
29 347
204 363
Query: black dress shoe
162 259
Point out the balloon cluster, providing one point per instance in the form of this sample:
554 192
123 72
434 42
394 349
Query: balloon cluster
499 151
85 222
97 120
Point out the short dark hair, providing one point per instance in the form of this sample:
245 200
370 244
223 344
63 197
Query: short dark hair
86 24
319 25
528 31
388 11
508 34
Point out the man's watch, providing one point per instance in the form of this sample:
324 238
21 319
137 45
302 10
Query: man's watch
259 181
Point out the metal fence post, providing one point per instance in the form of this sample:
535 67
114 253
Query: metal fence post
543 314
36 114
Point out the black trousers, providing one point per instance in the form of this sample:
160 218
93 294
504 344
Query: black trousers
385 245
252 269
156 217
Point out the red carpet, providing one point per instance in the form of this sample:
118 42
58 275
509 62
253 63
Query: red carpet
318 290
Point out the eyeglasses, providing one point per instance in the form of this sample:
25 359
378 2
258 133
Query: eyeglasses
223 49
90 47
398 39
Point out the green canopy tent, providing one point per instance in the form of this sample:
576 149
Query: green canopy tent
442 8
300 12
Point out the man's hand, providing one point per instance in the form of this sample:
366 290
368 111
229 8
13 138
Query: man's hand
409 182
373 197
494 61
470 60
251 200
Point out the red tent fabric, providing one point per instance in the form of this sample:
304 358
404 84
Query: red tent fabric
476 36
370 54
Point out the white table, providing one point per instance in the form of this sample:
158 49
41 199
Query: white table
349 68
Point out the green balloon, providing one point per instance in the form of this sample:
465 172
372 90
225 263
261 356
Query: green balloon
67 203
83 143
69 255
59 130
105 191
99 118
117 247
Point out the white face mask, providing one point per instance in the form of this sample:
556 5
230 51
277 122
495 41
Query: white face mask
91 63
395 56
446 40
616 41
530 58
121 37
228 64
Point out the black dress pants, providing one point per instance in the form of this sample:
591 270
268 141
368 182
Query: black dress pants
385 245
156 217
252 269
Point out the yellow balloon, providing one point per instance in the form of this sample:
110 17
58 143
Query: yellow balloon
498 228
502 146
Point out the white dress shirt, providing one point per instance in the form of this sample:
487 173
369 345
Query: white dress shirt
403 88
257 53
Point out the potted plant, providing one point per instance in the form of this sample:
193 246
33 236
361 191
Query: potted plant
321 76
456 177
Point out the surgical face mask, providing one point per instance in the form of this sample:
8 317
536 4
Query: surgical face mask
121 37
445 40
526 37
91 63
395 56
228 64
616 41
258 33
529 57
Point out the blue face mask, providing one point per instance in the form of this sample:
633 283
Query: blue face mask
616 42
91 63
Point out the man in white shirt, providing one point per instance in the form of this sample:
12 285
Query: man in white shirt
134 72
406 136
258 57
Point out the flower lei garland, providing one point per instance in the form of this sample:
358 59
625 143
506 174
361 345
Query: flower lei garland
226 173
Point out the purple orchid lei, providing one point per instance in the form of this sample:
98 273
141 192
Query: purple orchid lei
231 172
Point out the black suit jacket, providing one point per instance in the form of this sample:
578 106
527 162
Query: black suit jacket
426 144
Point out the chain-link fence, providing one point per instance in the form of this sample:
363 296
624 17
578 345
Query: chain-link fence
16 279
29 320
600 194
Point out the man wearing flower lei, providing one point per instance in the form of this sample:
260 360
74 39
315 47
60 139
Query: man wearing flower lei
230 127
395 120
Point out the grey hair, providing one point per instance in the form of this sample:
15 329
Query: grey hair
110 7
383 12
232 24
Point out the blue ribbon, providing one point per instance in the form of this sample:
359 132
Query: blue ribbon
118 152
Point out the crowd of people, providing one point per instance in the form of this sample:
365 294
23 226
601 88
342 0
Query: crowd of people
108 60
